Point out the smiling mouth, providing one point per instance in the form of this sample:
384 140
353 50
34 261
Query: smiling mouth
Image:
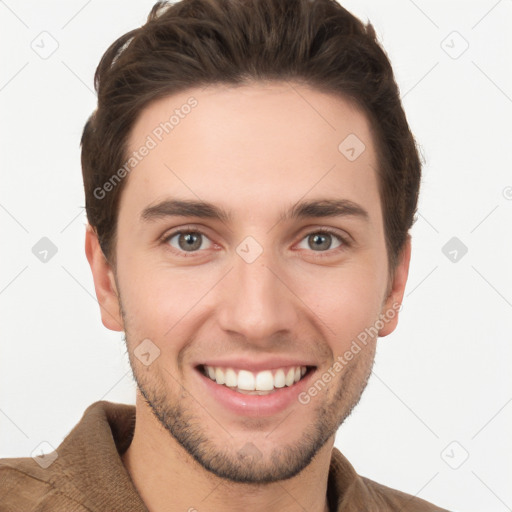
255 383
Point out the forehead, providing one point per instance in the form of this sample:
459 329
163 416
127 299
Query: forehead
250 147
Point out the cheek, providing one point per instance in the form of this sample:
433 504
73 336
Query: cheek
157 299
347 300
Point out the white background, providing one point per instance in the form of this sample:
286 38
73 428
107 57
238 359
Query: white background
441 377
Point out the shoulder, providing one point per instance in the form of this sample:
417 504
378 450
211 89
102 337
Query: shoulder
392 499
352 492
84 473
26 486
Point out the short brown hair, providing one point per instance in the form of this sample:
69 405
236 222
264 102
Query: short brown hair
193 43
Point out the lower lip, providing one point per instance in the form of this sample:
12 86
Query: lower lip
255 405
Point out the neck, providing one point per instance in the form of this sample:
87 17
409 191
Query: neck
169 479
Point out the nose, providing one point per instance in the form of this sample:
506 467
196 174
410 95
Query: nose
257 301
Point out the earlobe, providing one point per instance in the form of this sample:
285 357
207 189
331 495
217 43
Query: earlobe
104 282
393 302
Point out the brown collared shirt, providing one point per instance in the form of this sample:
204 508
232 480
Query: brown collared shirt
88 474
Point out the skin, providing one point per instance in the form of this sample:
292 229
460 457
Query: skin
253 150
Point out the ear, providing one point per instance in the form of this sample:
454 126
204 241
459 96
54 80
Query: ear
104 282
393 303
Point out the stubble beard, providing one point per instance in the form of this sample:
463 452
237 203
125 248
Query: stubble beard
248 464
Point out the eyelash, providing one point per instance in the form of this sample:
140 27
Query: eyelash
318 254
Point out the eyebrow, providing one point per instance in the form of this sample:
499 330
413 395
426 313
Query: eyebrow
206 210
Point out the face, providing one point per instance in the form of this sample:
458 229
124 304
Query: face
251 319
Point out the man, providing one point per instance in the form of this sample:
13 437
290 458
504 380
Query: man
250 182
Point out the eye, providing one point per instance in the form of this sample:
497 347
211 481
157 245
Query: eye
191 241
187 241
322 240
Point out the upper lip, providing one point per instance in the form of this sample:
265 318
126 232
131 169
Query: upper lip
253 365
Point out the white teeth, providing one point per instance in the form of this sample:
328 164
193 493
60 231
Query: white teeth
219 376
290 377
231 378
264 381
260 383
245 380
279 379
